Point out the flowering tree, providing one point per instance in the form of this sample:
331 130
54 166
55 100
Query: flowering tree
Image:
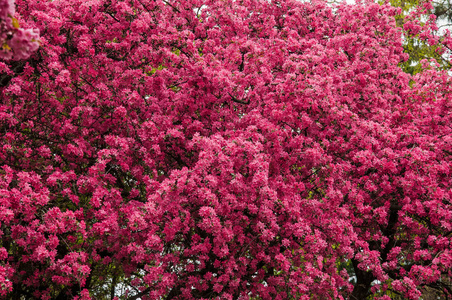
206 149
425 33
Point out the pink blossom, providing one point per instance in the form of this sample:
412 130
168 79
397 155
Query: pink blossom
221 149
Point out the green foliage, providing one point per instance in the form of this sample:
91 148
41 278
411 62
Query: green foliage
417 48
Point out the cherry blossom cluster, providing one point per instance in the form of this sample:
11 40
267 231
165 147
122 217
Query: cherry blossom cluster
15 42
205 149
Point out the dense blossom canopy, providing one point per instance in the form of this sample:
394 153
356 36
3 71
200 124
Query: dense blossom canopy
206 149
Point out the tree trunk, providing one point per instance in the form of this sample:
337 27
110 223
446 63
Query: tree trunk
363 283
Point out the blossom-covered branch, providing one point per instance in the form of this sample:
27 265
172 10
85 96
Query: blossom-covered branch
15 42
